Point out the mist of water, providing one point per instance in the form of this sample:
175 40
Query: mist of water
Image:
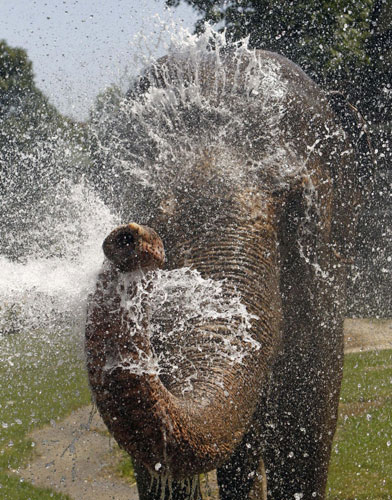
146 142
56 219
44 291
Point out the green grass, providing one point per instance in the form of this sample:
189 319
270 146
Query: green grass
124 467
361 465
41 382
15 489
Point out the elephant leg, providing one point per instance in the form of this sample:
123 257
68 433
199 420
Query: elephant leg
299 426
243 476
157 487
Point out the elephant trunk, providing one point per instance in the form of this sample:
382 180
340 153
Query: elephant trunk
176 432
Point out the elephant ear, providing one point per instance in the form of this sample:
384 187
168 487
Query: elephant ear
358 133
352 173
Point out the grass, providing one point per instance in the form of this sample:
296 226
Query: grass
42 382
361 465
15 489
124 467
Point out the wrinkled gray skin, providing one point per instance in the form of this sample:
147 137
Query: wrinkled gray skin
288 259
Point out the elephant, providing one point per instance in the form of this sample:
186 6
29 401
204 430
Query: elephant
278 235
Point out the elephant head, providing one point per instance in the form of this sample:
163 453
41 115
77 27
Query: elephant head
241 384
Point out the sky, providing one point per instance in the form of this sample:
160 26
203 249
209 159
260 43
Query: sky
79 47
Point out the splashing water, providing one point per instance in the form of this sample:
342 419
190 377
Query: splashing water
171 119
54 221
56 211
147 141
47 289
178 303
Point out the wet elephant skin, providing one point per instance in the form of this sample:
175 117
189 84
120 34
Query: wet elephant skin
287 256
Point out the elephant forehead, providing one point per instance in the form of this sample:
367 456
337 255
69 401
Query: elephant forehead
211 212
168 206
254 204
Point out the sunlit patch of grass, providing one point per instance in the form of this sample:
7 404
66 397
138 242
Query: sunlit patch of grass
42 382
361 465
120 462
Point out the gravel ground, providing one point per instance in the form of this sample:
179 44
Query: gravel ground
77 457
367 334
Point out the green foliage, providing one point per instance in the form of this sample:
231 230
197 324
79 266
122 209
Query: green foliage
38 146
328 38
16 74
22 104
106 102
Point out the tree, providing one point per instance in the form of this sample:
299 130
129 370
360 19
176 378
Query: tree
330 39
16 75
38 147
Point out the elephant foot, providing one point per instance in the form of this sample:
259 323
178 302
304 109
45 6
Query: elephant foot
133 246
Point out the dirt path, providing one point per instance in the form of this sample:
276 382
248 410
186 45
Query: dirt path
77 457
367 334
